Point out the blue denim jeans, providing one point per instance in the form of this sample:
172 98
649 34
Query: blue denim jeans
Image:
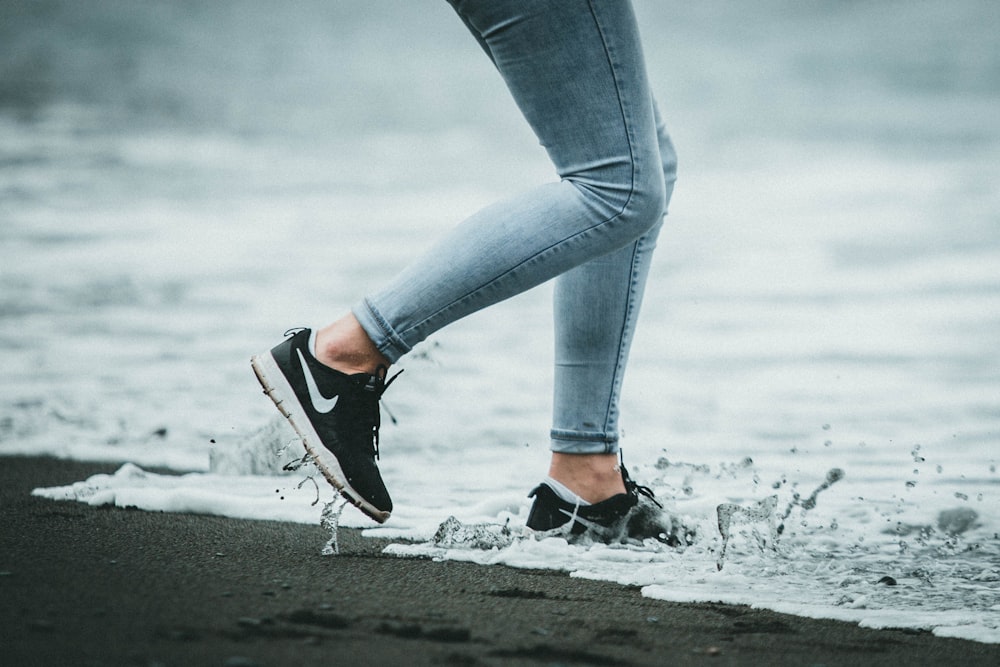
576 71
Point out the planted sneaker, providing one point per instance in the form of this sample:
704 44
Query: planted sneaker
335 414
605 520
626 515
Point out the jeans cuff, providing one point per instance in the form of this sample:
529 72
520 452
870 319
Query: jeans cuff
380 331
583 442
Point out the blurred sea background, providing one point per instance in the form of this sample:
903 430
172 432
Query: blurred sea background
180 182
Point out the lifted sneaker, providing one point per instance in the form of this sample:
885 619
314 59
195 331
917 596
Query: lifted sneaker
622 516
335 414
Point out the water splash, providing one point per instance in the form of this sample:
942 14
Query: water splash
296 464
330 519
765 511
648 520
259 452
315 484
832 477
759 512
453 533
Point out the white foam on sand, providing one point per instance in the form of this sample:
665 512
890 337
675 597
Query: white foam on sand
882 565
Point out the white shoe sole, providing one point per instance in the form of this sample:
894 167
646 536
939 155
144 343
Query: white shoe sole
280 392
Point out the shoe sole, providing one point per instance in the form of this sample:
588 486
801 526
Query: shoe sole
276 388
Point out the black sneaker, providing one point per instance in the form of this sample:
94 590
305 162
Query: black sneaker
621 516
335 414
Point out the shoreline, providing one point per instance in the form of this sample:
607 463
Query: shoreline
108 586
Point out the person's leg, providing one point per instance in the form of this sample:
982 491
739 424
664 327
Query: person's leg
576 71
596 308
346 346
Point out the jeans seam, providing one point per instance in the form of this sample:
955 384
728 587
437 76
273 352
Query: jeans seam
616 380
621 107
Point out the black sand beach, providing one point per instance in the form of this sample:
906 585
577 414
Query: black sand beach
98 586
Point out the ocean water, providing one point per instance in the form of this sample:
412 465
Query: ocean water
181 183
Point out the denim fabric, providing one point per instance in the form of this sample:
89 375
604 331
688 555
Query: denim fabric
576 70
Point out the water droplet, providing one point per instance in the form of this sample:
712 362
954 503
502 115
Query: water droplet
827 443
826 427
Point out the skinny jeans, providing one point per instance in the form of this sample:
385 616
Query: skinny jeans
577 73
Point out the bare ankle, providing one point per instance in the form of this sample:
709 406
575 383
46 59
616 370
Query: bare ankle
345 346
593 477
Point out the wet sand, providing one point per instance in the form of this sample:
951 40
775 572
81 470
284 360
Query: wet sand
106 586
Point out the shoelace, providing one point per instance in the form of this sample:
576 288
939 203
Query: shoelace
634 487
379 385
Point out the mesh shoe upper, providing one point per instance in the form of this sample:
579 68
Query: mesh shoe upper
343 410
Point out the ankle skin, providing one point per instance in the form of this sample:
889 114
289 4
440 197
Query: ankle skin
344 346
593 477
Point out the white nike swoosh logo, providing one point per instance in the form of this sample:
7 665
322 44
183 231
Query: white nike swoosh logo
320 403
